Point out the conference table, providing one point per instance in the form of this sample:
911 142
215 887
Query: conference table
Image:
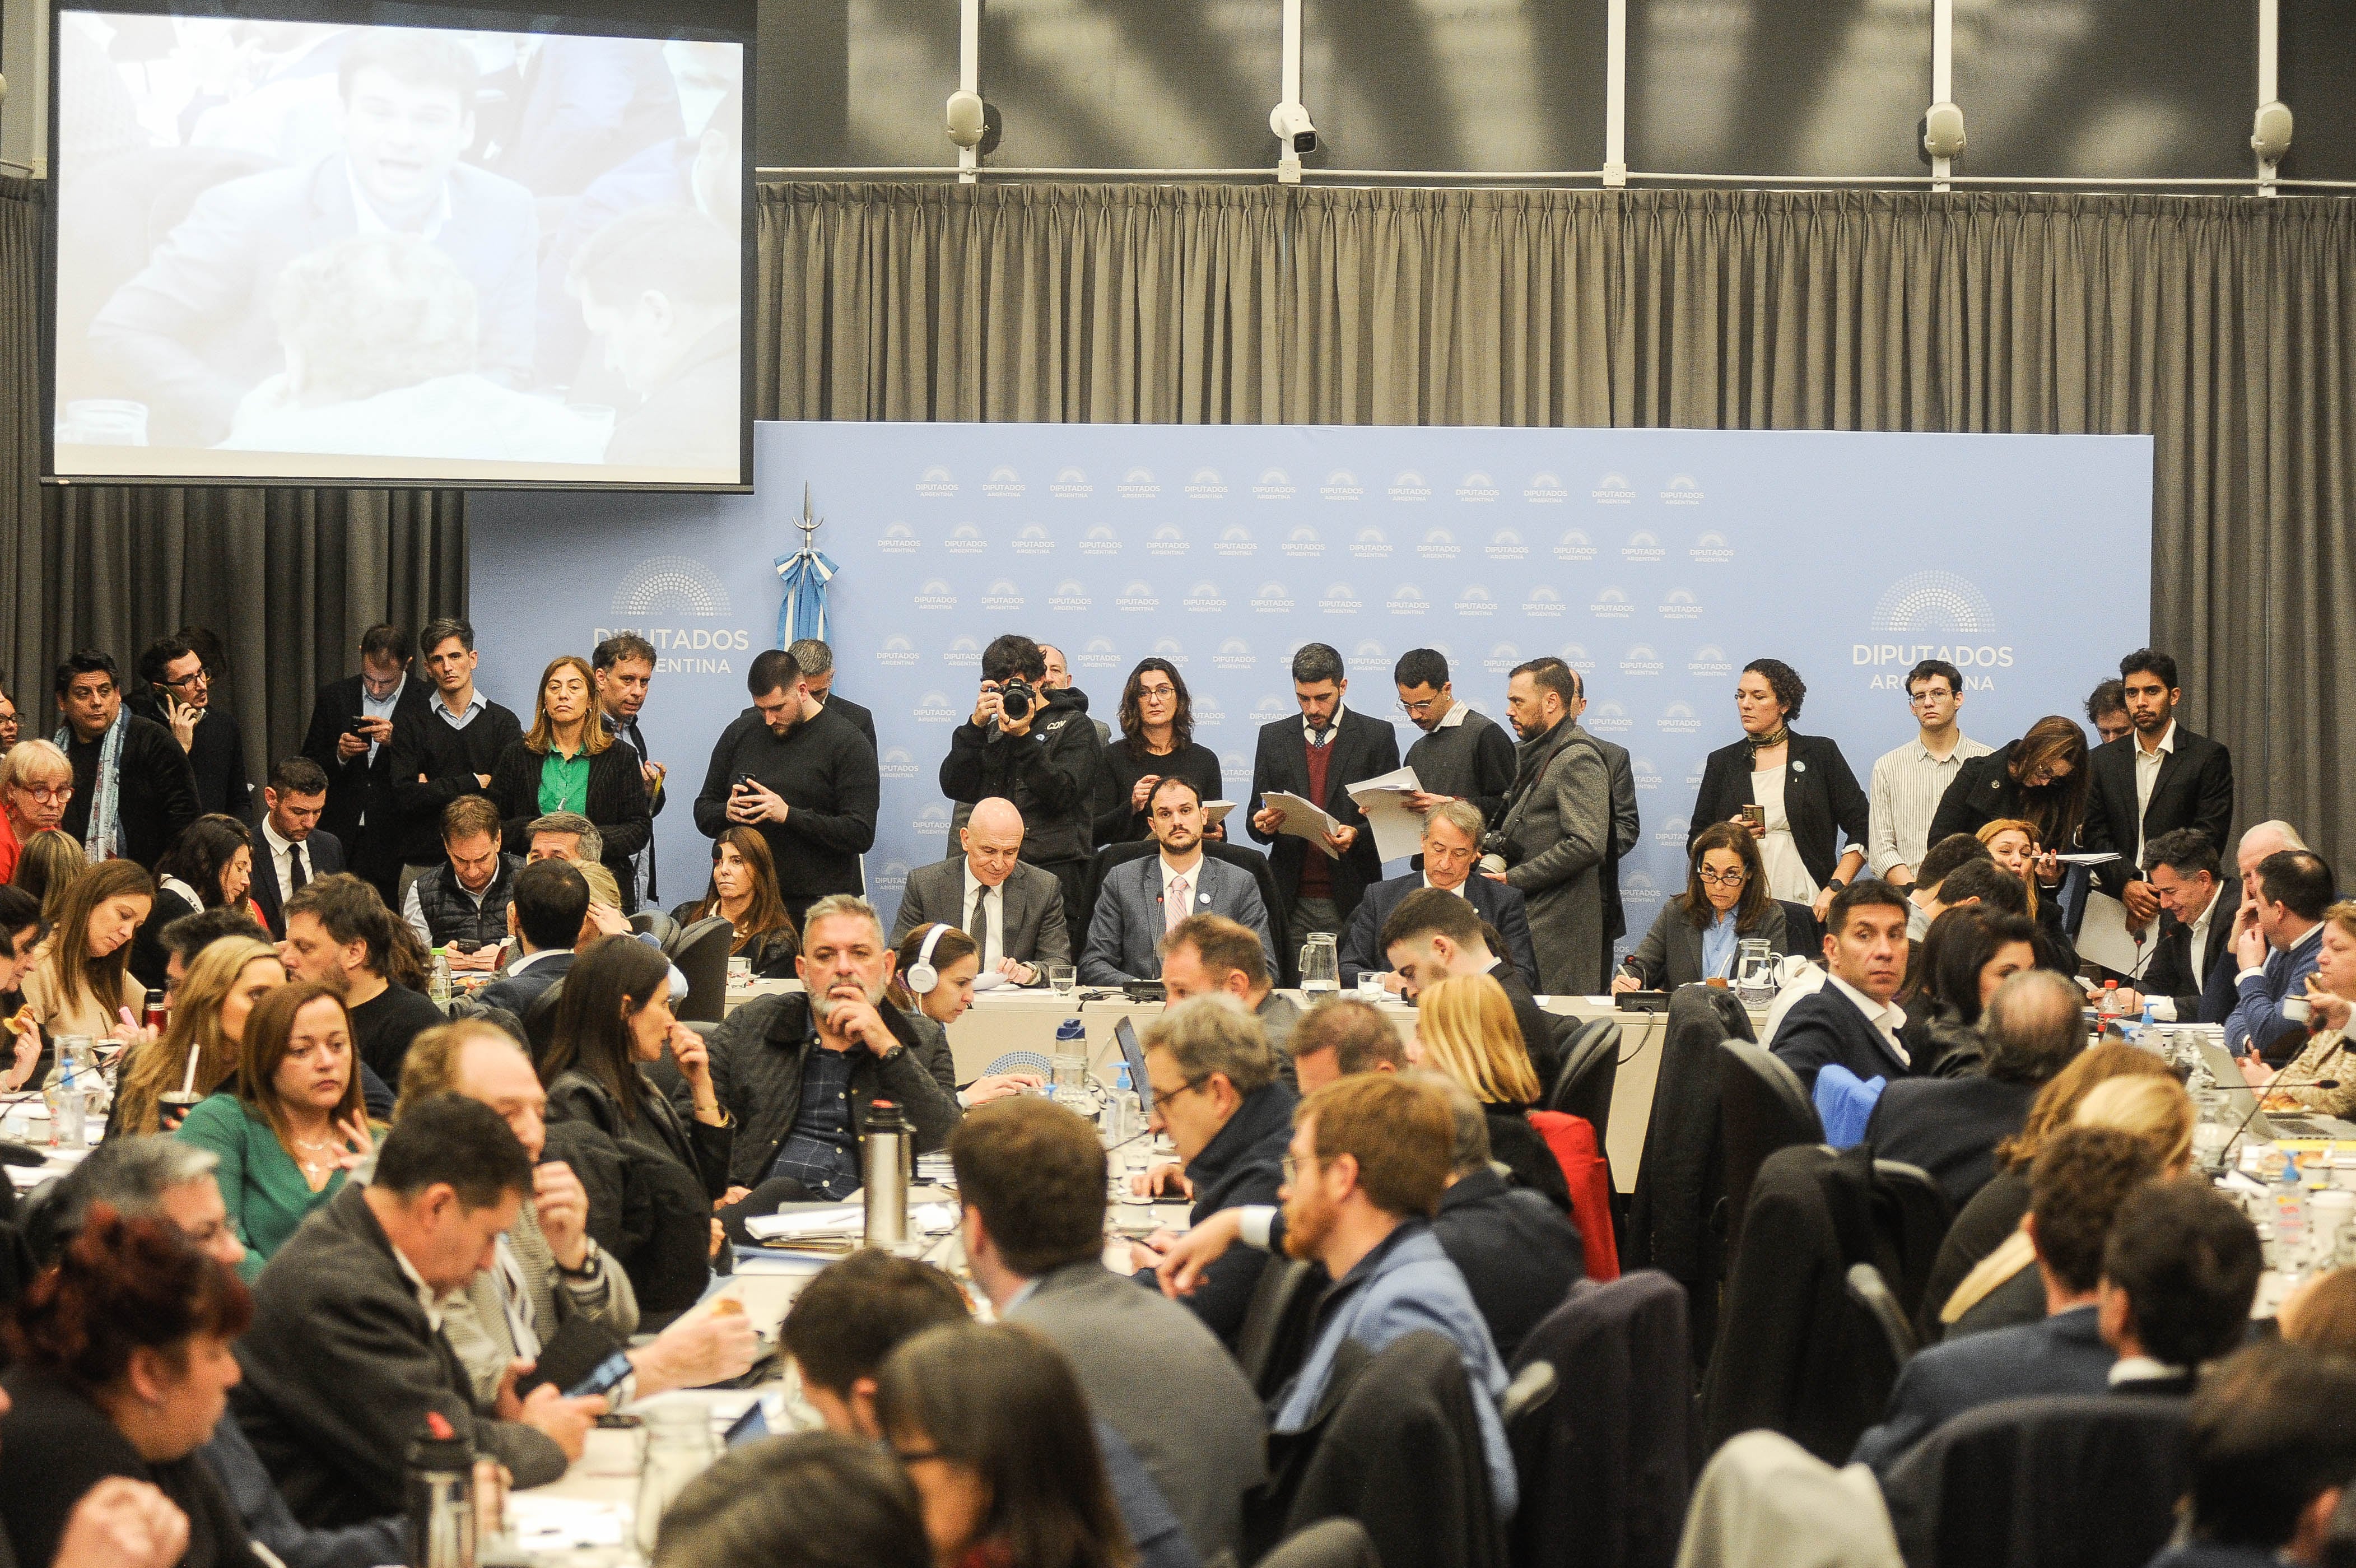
1001 1024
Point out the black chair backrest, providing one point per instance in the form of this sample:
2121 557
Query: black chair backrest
1912 1213
1527 1396
1762 1108
1681 1177
656 924
1872 1293
1803 934
701 952
1274 1338
1590 1071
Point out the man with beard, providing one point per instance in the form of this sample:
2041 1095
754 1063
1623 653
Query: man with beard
798 1071
624 666
1370 1158
803 777
1143 900
2156 778
1557 828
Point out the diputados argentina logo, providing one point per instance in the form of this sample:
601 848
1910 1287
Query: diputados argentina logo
655 596
1923 606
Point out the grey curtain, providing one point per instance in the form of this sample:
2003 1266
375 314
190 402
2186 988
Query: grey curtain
288 577
2225 328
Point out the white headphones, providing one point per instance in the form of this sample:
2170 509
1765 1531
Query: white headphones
921 977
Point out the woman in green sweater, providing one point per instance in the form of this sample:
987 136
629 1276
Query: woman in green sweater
291 1124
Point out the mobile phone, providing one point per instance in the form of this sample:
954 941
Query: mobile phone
359 719
742 780
603 1378
1755 816
464 944
752 1423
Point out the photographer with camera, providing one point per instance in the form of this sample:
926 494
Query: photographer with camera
1551 840
803 777
1032 744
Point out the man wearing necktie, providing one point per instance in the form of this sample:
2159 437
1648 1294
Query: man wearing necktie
1318 756
1145 899
295 849
1013 912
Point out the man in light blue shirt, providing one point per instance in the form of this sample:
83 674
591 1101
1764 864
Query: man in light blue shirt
1371 1156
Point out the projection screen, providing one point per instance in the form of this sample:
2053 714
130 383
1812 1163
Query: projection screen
345 242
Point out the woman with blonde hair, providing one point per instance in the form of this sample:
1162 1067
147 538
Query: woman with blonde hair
208 1015
2014 844
49 864
567 762
1464 1027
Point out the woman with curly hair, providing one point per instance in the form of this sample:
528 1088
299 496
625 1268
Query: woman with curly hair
1796 792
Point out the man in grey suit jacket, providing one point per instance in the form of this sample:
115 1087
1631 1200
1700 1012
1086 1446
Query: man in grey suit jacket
1626 825
194 332
1031 1178
1132 911
1014 912
1557 828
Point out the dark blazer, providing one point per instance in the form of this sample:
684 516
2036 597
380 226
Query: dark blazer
341 1366
1364 747
1981 1226
862 719
216 757
360 786
59 1445
516 991
2194 789
637 737
1670 954
1983 791
2062 1354
1518 1253
156 799
323 856
1825 1027
1820 794
1242 1164
1500 906
617 805
758 1057
1627 826
1948 1126
1537 1027
702 1149
1032 900
2169 972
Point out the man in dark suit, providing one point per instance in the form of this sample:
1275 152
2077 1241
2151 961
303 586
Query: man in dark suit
195 331
2190 976
2180 1270
2081 1177
345 1360
623 666
1627 825
1451 841
1145 899
1557 829
293 848
2157 778
1949 1127
351 737
1434 934
1518 1253
1852 1020
2276 1410
180 697
1317 756
151 795
1013 912
551 900
817 661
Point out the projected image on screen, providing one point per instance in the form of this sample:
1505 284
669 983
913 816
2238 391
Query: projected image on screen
293 250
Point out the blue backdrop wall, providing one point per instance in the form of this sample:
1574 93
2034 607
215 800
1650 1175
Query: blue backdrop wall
1656 561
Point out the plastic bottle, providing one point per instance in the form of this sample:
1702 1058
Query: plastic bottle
2290 1219
437 985
2106 1006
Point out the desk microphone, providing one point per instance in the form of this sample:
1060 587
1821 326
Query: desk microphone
2257 1103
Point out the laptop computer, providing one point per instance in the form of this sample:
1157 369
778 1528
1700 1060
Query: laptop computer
1125 1036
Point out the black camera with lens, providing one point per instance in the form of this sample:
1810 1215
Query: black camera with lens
1018 697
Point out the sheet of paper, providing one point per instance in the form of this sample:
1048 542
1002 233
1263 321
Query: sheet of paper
2103 938
2087 857
1398 829
1302 819
1216 811
991 981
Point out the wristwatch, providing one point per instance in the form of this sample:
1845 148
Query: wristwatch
895 1054
589 1261
1836 884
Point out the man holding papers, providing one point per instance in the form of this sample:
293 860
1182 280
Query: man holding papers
1145 899
1451 843
1316 757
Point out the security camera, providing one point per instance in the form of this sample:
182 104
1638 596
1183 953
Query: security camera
1942 131
967 118
2270 133
1290 124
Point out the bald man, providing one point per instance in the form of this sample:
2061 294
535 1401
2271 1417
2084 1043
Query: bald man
1013 912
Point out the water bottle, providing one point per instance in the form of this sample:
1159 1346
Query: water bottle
1321 969
2107 1005
437 985
68 1112
2290 1219
1068 1066
440 1487
887 1156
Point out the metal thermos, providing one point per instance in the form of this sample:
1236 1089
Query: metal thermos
441 1496
887 1156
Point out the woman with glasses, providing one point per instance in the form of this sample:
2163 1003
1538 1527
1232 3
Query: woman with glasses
292 1124
1157 742
1794 792
1697 934
36 784
567 762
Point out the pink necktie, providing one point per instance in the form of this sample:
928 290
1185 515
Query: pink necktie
1174 906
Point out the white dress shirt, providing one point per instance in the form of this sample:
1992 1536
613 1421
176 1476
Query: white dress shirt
466 717
1908 784
993 904
1457 889
1886 1017
380 708
1309 731
281 859
2147 766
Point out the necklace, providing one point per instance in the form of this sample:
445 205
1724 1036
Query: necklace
329 1148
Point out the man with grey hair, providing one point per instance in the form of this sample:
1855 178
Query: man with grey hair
1216 1097
565 836
2034 1026
797 1072
1452 844
175 1181
817 661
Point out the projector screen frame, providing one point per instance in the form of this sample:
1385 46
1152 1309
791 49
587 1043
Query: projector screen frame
715 21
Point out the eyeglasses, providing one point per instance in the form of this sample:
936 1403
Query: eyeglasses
1291 1167
198 677
1734 878
916 1455
1919 698
1416 710
46 796
1163 1096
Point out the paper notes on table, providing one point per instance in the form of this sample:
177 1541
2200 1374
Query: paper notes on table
1398 828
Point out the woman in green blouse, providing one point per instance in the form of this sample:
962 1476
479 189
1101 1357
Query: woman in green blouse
569 761
292 1124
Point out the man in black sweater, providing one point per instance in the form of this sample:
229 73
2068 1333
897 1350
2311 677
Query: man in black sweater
180 698
1045 760
151 795
338 932
803 777
446 749
350 737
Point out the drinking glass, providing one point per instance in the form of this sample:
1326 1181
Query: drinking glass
1062 978
1370 985
680 1446
740 972
1071 1079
